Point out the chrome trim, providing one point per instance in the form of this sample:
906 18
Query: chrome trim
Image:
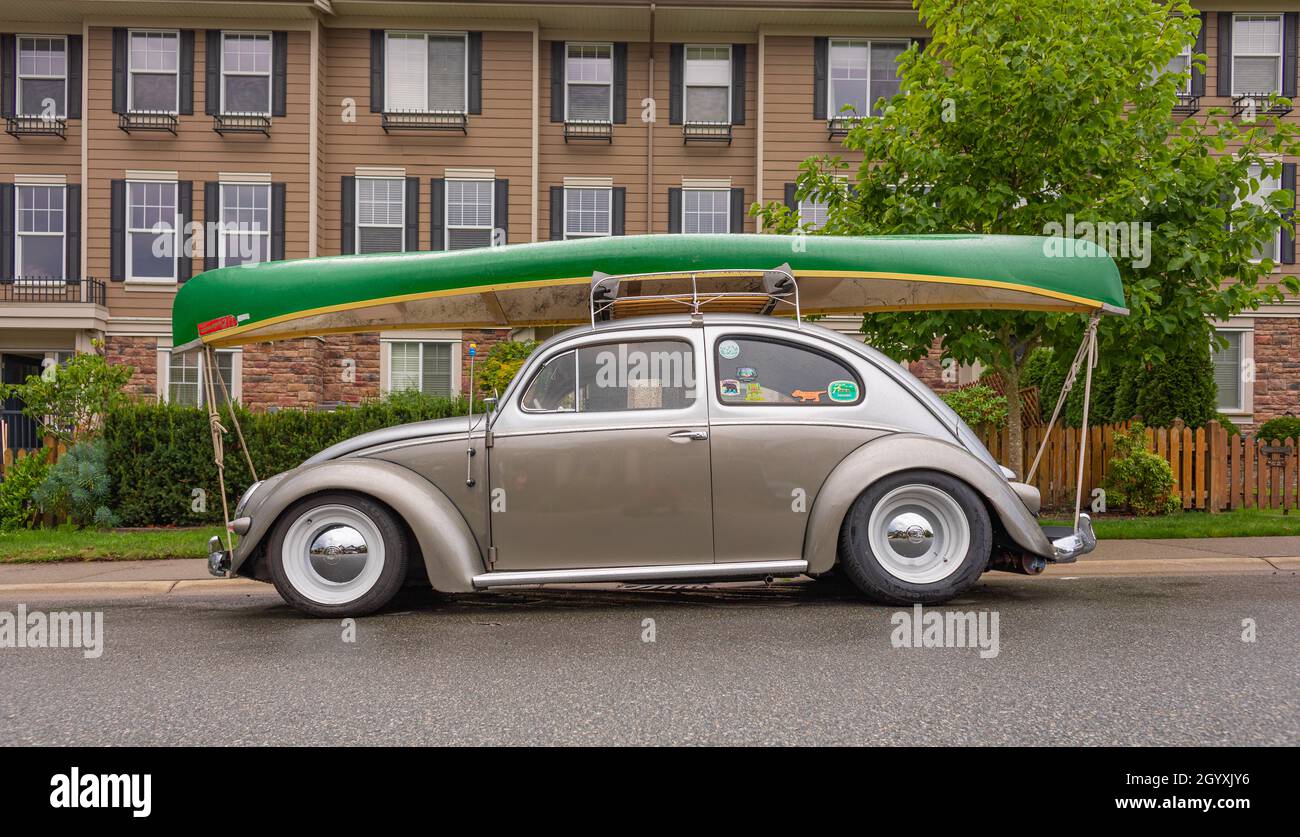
1067 550
603 428
242 504
1008 473
727 570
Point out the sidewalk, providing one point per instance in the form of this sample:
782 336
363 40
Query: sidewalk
1183 556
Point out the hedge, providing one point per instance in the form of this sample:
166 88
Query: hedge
160 455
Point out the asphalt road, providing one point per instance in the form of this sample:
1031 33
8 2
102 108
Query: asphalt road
1129 661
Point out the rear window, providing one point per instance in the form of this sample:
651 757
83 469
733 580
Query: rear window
752 370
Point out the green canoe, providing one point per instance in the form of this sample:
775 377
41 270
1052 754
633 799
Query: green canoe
549 283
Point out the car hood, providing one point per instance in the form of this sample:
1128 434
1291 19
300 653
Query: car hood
398 433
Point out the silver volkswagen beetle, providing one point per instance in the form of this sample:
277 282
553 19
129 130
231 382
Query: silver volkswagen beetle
665 448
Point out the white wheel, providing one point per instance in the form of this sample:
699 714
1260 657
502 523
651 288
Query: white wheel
919 533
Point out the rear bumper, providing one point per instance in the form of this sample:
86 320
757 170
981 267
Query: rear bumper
1068 544
218 558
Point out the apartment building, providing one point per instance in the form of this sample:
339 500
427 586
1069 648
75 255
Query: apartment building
146 142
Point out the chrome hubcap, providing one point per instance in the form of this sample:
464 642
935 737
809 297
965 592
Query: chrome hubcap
919 534
338 553
333 554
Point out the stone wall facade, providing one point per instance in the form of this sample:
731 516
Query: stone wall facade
141 354
1277 367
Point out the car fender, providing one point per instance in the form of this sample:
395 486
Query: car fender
903 452
451 554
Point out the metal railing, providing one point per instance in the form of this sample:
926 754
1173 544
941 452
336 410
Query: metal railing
588 129
148 120
1251 105
46 290
20 432
36 126
425 120
242 123
706 132
1188 104
840 125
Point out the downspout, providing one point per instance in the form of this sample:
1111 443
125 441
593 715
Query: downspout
758 126
650 131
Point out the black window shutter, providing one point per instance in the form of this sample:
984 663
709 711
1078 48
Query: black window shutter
557 213
1289 26
117 230
620 84
119 71
74 77
348 215
821 65
211 218
738 63
501 211
376 71
6 231
618 211
674 210
1288 226
475 104
737 210
212 72
676 72
412 214
438 214
8 79
1198 75
279 73
791 202
557 81
920 43
72 239
185 211
277 221
186 77
1224 86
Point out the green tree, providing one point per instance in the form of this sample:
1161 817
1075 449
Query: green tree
503 362
70 401
1024 116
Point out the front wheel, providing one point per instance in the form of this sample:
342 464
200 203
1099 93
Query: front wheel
338 555
916 537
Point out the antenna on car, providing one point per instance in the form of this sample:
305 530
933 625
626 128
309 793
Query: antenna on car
469 421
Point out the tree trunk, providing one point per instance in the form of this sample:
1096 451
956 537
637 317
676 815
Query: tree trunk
1015 422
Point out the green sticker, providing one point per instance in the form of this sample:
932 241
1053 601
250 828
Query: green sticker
842 391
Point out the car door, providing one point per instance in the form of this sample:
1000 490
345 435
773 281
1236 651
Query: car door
602 458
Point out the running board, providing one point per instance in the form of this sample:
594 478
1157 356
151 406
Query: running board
726 571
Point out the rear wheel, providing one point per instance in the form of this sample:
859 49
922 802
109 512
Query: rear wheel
916 537
338 554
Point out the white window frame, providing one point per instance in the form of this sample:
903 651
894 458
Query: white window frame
223 234
609 111
62 236
609 214
270 71
1276 182
131 71
387 339
356 213
176 232
811 204
1281 39
686 51
446 213
407 33
831 109
165 354
19 77
1247 355
1185 86
726 192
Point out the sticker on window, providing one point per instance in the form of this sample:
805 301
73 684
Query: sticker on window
729 349
730 388
842 392
746 373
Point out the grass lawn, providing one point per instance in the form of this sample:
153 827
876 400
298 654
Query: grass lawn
1193 524
69 544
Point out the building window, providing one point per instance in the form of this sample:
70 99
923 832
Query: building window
40 229
812 214
381 214
42 76
1227 371
150 230
246 73
863 72
708 84
154 63
1268 184
425 72
587 212
1256 54
425 367
1181 65
589 82
185 378
706 211
469 214
245 223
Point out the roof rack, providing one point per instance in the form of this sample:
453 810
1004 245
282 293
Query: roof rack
617 297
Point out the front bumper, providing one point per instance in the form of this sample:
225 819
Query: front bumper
1068 544
218 558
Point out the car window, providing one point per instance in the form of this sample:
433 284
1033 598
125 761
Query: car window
758 371
615 377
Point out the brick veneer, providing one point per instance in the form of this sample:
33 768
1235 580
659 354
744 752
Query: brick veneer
1277 367
140 353
485 339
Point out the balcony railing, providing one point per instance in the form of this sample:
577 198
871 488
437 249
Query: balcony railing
1252 105
46 290
1188 104
425 120
706 132
20 431
840 125
588 129
242 123
36 126
148 120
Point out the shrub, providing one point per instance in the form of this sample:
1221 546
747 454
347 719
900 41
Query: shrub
502 364
1282 427
1045 370
21 480
70 401
978 405
1228 425
77 487
160 455
1138 478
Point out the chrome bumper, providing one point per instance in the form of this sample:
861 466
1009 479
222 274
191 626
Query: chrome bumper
218 558
1067 544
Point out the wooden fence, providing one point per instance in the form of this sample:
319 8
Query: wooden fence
1212 470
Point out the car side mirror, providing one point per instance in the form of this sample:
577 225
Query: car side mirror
491 403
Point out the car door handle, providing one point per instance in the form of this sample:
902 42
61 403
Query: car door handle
689 436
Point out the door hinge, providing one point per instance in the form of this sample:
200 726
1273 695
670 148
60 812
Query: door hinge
492 557
487 438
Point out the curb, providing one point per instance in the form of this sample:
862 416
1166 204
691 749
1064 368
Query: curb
143 587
